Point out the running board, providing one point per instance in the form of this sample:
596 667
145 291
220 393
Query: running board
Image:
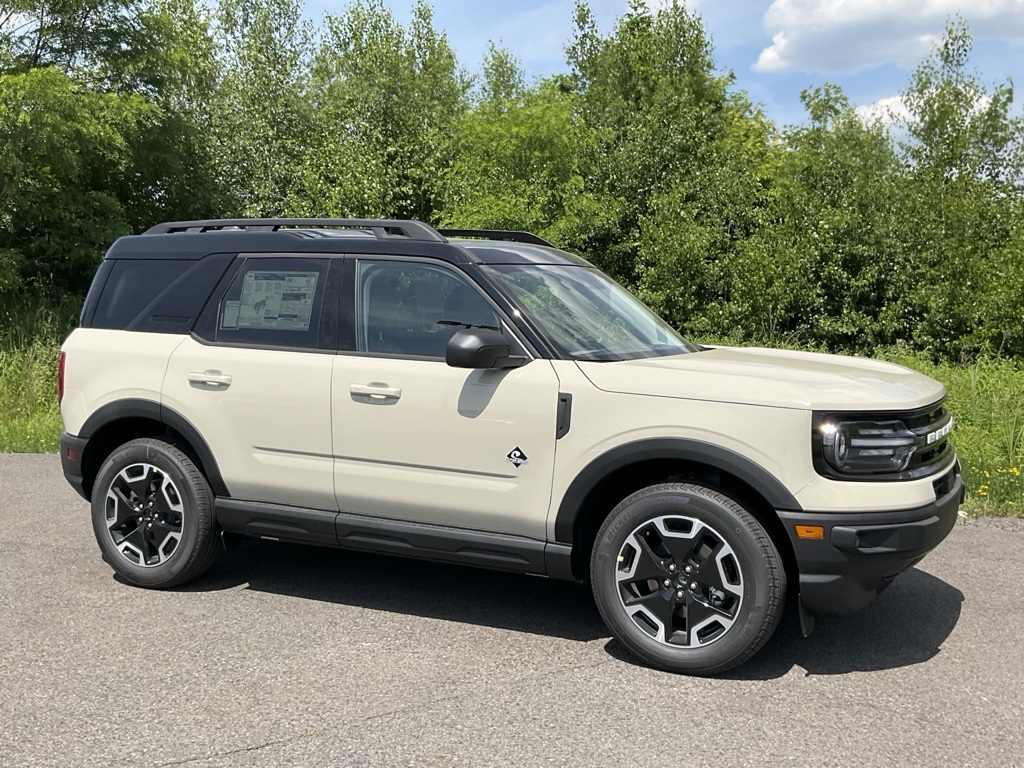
394 537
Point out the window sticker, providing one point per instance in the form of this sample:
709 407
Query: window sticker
277 301
230 320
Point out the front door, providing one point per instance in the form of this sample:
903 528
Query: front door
417 440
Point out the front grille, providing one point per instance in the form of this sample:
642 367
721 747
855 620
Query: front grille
924 424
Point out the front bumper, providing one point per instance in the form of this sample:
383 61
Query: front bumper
861 553
71 451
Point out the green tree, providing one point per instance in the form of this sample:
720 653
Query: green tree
261 116
520 159
650 93
966 157
828 264
100 129
386 97
63 150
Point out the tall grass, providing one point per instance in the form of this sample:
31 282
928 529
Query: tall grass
31 332
987 401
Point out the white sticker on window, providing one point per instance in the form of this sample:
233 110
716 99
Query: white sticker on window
278 301
230 320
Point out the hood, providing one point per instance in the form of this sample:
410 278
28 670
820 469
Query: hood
771 377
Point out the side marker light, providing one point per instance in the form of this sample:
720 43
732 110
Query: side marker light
810 531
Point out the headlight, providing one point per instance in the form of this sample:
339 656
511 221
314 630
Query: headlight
883 446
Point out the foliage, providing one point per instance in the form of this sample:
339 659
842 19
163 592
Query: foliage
31 332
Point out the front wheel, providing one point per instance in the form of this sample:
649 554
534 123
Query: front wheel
687 579
152 513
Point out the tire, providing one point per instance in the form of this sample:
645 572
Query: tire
698 622
152 513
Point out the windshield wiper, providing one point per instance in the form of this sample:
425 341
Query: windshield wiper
468 325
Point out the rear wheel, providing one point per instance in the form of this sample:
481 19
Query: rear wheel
687 579
152 513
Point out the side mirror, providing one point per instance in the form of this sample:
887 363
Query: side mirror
479 348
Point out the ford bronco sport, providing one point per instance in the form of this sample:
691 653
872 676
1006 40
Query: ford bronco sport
485 398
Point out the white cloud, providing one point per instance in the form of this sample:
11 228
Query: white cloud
892 110
888 110
849 35
657 5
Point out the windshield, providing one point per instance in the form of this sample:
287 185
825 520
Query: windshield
586 315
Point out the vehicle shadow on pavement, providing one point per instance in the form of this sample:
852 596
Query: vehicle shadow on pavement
905 625
411 587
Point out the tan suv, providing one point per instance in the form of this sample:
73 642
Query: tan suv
488 399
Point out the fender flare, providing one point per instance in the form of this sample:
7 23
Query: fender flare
148 409
682 449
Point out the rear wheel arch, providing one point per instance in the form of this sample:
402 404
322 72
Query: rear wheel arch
616 474
119 422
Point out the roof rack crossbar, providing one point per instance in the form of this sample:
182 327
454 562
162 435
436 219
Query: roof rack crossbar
380 228
498 234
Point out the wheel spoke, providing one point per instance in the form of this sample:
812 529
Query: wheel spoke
124 510
644 563
137 542
696 613
165 539
141 485
659 612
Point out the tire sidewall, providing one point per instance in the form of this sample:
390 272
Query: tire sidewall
648 504
157 454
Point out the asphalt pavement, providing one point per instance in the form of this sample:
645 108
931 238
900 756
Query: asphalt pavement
298 656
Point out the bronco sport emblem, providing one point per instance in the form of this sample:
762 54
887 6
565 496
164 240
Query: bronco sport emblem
517 457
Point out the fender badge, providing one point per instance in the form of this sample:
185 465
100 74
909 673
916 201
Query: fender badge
517 457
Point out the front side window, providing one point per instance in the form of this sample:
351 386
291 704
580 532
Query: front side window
274 302
412 309
586 315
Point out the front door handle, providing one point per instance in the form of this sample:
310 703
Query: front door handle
210 378
376 391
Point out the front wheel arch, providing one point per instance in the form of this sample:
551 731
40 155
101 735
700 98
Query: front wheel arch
616 474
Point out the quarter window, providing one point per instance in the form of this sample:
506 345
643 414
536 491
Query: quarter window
408 308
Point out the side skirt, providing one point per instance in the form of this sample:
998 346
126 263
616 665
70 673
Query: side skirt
394 537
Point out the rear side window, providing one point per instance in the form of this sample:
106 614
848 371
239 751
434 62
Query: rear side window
152 295
133 285
274 302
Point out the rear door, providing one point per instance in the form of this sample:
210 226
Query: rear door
255 378
420 441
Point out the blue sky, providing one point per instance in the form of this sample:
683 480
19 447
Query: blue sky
776 48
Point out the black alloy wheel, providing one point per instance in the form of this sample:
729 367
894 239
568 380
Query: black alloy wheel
687 579
152 513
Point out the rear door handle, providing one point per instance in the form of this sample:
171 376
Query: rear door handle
210 378
376 391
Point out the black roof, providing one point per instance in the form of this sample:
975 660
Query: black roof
195 239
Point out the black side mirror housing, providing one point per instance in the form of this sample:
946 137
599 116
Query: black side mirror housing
479 348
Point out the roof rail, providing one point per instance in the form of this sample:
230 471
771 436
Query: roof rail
380 228
498 234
